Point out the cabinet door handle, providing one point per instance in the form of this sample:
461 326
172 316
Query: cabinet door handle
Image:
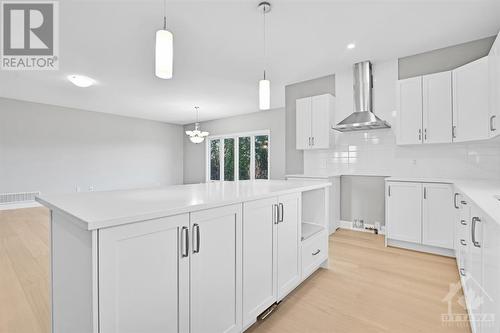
185 241
309 141
454 132
315 253
462 271
455 201
281 213
196 235
463 202
492 128
419 134
425 192
313 140
475 219
425 134
389 190
462 241
463 222
275 214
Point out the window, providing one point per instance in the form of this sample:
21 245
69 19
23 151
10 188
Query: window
240 156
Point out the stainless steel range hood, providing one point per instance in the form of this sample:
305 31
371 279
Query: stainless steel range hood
363 118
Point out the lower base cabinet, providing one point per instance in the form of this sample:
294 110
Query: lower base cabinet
271 252
421 214
478 258
175 274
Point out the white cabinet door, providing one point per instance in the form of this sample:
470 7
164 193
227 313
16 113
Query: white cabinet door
320 121
259 256
143 278
409 129
404 211
473 289
303 123
471 101
491 273
437 108
438 214
216 270
494 64
288 244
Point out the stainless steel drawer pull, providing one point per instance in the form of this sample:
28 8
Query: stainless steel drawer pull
492 128
455 201
185 241
196 231
462 241
475 219
282 212
462 271
315 253
463 222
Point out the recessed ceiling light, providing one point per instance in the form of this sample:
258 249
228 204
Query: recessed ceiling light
350 46
81 80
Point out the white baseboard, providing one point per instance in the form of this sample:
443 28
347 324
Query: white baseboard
20 205
421 247
349 226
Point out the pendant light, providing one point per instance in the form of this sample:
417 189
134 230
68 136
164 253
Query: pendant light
265 84
164 50
196 136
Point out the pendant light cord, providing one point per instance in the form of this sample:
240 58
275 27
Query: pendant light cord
165 15
197 113
265 41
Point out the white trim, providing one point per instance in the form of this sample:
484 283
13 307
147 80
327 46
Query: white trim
29 204
420 247
236 136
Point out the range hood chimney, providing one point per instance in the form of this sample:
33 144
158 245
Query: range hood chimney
363 118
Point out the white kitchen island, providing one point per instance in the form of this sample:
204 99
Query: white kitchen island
203 258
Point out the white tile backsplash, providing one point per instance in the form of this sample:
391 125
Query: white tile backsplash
376 152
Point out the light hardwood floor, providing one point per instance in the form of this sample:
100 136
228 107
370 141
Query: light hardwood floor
368 288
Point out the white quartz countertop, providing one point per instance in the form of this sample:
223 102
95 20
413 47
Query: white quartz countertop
482 192
110 208
326 176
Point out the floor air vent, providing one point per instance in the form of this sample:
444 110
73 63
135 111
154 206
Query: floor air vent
10 198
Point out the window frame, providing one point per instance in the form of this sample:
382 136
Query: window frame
236 154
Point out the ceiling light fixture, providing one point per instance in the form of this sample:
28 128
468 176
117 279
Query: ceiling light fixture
81 80
196 135
164 50
265 84
351 46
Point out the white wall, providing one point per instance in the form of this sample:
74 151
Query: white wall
55 149
273 120
375 152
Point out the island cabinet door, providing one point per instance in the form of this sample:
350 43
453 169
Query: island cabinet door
259 256
215 258
288 244
144 277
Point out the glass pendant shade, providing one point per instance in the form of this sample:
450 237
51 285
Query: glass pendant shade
164 54
197 136
264 94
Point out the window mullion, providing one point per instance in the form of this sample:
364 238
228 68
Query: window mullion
221 159
236 158
252 157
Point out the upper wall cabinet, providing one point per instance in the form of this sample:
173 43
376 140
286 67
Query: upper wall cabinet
471 101
313 115
494 63
425 109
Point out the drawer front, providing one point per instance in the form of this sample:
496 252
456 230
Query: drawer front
314 252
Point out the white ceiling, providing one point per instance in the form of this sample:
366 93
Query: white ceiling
218 50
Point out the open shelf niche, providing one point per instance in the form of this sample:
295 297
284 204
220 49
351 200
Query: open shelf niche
314 213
